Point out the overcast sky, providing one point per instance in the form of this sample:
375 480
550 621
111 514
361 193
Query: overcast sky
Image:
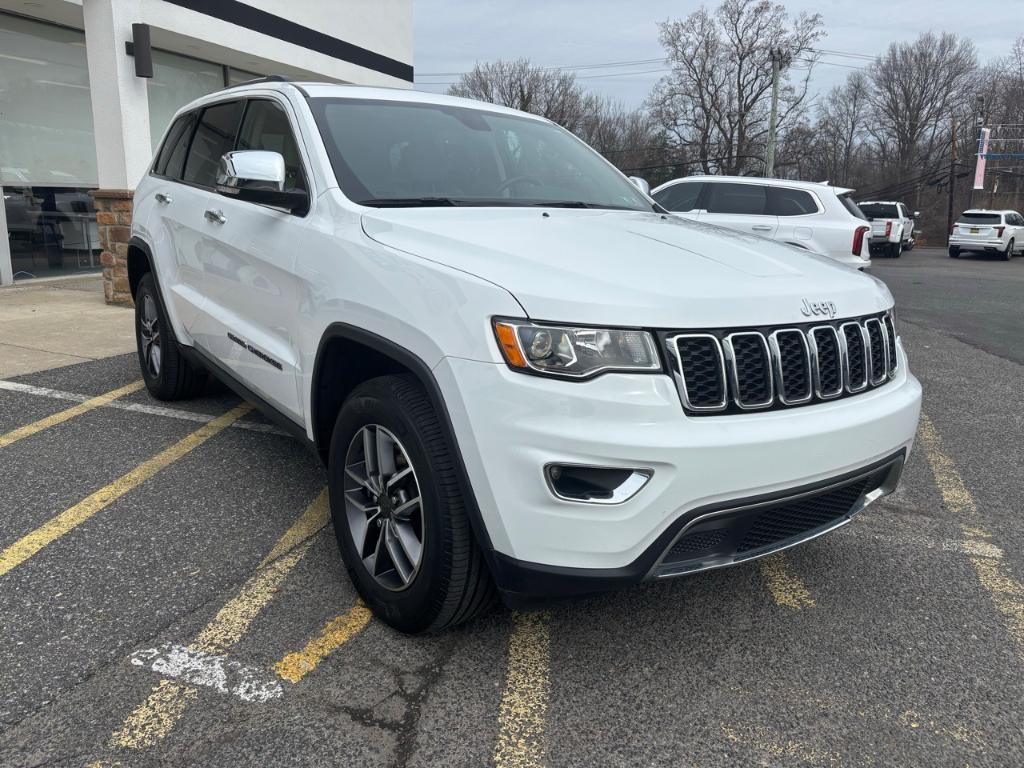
451 35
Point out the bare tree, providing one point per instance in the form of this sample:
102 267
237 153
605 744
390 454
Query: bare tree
553 94
916 89
837 140
715 100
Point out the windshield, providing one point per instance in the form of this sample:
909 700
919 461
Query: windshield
848 204
981 218
880 210
393 153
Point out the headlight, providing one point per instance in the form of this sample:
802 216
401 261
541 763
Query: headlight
572 352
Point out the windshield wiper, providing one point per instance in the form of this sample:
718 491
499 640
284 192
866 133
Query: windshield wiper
409 202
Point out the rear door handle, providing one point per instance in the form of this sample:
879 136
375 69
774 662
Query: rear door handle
761 228
162 198
217 217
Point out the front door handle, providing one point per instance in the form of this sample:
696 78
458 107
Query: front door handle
162 198
217 217
761 228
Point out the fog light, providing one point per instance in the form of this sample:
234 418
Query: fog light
595 485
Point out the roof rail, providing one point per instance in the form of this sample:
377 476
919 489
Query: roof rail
267 79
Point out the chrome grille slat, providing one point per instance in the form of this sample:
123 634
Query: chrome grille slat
731 371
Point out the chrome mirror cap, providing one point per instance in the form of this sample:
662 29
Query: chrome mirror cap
251 169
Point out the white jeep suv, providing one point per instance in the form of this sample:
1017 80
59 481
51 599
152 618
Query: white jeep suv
521 373
813 217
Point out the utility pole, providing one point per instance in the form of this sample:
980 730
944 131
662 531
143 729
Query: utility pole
952 181
769 162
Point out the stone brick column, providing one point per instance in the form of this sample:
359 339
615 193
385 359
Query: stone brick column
114 220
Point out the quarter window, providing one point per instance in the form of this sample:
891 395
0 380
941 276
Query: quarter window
749 199
679 197
215 135
172 154
790 202
266 127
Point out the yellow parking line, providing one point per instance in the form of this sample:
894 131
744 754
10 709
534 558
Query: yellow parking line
71 518
786 587
1006 593
152 720
335 633
68 413
524 702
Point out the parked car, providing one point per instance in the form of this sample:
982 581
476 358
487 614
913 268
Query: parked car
986 231
520 372
814 217
892 227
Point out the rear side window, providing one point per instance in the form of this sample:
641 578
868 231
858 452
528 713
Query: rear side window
851 206
171 158
747 199
679 197
215 135
266 127
981 218
790 202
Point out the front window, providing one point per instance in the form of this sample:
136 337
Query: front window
392 153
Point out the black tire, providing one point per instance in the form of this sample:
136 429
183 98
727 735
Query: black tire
909 245
451 583
954 253
1008 253
895 250
172 377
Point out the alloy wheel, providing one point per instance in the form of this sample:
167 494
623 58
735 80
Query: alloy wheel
383 506
149 331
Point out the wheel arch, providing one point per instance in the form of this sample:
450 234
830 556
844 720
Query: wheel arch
140 261
347 356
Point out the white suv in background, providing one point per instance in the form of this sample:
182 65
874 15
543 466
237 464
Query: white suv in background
520 373
983 231
815 217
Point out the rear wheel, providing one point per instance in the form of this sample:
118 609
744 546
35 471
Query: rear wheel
954 253
1008 253
398 511
168 375
895 250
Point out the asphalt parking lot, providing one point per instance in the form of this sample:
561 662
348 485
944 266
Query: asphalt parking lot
171 594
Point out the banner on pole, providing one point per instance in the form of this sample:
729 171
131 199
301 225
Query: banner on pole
979 170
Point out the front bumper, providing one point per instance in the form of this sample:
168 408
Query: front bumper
509 426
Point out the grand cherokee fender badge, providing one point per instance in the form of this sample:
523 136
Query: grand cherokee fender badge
821 308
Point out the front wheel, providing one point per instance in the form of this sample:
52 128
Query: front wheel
398 512
167 374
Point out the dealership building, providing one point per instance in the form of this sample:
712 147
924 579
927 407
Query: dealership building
78 124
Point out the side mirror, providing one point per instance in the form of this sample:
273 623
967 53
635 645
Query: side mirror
917 214
641 184
257 176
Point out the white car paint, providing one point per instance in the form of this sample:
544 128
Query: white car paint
894 234
431 280
827 227
986 231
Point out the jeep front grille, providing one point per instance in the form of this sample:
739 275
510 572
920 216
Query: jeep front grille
735 370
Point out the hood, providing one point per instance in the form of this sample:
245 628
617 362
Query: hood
628 268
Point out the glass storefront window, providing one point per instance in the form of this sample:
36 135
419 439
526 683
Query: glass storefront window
50 230
176 81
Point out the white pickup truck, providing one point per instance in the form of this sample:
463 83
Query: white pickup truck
892 227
